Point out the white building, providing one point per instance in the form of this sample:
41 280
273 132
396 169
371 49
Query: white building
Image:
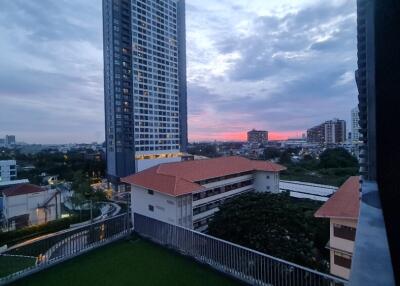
8 170
26 204
342 209
188 193
316 192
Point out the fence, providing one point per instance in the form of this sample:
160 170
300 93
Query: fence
31 256
245 264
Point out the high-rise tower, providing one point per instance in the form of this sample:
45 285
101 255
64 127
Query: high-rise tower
144 83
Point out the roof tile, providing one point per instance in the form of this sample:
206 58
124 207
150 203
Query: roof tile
181 178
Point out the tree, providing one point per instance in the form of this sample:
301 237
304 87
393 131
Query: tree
285 157
271 153
275 224
337 158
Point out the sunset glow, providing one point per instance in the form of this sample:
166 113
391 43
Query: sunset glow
242 136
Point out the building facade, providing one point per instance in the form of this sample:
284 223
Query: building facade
10 140
25 204
342 210
257 136
8 170
189 193
355 128
327 133
144 83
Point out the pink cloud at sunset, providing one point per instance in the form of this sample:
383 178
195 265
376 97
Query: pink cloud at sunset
242 136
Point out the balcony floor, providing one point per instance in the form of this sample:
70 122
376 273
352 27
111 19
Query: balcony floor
134 262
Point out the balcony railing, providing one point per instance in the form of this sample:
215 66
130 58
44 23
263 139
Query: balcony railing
36 254
242 263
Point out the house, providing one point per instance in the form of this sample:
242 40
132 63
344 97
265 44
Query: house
27 204
342 209
188 193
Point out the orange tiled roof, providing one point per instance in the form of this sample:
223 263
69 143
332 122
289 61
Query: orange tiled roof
345 202
180 178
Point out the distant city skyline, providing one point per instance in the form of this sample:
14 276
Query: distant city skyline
281 66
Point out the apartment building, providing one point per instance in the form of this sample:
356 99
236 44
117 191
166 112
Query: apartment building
188 193
8 170
329 132
27 204
144 84
257 136
342 209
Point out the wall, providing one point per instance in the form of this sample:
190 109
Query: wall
266 181
336 243
8 170
28 204
165 207
148 163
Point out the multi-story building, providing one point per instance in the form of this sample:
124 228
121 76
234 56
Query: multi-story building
342 209
329 132
257 136
335 131
355 128
10 140
316 134
26 204
8 170
144 83
188 193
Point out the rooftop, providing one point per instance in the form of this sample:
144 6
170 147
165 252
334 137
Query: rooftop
134 262
22 189
345 202
182 178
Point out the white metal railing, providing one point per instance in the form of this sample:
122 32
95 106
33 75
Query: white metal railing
57 247
245 264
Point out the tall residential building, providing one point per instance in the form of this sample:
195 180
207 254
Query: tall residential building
144 83
329 132
355 128
257 136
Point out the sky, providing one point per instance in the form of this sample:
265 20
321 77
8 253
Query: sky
276 65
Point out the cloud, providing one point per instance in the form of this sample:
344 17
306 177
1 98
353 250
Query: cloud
51 82
290 71
279 65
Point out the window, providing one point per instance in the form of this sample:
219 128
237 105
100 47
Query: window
150 192
151 208
344 232
267 176
342 259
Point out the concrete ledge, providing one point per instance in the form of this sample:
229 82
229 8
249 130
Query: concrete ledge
371 264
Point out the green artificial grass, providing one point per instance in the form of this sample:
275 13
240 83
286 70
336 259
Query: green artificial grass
128 263
11 264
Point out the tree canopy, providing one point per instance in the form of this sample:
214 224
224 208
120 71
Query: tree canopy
337 158
275 224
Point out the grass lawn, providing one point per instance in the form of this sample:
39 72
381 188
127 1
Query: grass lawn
11 264
128 263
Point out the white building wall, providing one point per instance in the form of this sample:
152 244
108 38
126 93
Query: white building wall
8 170
266 181
175 210
338 245
148 163
28 204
